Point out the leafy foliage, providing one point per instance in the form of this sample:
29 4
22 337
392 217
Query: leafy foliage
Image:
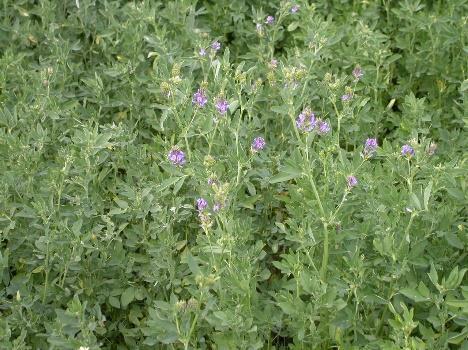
105 151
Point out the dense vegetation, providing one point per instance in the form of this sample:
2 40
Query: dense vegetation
233 174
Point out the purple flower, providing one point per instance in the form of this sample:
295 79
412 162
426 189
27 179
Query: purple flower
370 147
346 97
352 181
202 52
407 151
357 73
295 8
201 204
273 63
306 121
199 98
222 106
217 207
323 127
176 157
215 46
270 20
258 144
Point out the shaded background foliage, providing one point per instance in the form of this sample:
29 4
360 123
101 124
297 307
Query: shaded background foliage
100 242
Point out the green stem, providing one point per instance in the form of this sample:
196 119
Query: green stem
239 165
338 116
186 133
212 138
67 266
324 267
384 313
323 270
194 323
406 235
46 263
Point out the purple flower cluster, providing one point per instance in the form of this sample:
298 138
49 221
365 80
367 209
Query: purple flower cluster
215 46
202 52
258 144
199 98
222 106
270 20
352 181
357 73
273 63
295 8
323 127
217 207
346 97
306 121
370 147
176 157
407 151
201 204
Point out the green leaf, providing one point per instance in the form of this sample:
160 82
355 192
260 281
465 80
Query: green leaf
287 307
127 296
248 202
192 264
458 337
113 301
427 195
292 26
433 276
121 203
280 109
415 201
458 303
178 185
77 227
286 173
166 183
413 294
38 269
423 290
464 85
454 241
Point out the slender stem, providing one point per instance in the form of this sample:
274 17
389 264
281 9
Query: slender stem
316 194
406 235
333 216
323 269
347 191
212 138
273 37
194 323
46 263
239 165
410 177
67 266
384 313
186 133
338 116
